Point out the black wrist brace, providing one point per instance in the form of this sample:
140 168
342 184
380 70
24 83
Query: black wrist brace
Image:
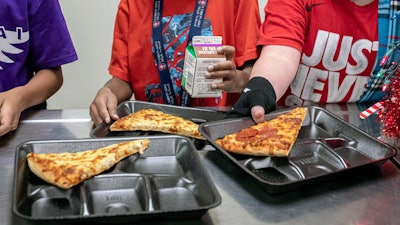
258 91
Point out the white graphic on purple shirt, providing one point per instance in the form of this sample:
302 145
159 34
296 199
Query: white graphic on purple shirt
7 41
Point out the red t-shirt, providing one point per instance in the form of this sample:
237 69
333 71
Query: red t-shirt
338 41
238 23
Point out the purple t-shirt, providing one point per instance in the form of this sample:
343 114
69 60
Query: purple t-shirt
33 36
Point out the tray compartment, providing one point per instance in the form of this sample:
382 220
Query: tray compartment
50 201
353 156
45 207
326 146
168 180
153 165
273 169
357 147
163 160
174 193
314 159
115 195
313 132
307 160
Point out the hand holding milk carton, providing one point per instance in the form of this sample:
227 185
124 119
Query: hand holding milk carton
199 55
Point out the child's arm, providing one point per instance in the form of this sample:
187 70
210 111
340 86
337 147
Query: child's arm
104 105
43 85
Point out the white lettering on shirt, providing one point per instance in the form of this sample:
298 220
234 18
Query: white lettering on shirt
338 71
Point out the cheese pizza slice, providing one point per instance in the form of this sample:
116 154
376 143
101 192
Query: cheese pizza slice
68 169
275 137
156 120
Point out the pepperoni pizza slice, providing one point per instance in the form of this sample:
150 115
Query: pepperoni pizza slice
275 137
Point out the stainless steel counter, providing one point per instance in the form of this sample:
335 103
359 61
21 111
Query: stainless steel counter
367 196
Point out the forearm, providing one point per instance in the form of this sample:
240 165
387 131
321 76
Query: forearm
277 64
244 74
121 89
43 85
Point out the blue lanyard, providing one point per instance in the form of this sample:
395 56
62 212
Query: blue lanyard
159 52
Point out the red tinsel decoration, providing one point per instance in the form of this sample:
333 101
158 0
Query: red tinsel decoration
390 116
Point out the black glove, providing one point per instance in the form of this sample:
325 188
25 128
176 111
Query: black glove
258 91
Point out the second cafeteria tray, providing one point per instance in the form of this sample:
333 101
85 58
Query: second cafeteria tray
168 180
197 115
326 145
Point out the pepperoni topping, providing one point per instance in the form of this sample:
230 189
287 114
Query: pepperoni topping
246 134
268 132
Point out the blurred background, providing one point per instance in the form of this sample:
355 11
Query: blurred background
90 23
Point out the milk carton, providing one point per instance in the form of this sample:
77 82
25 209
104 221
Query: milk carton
199 55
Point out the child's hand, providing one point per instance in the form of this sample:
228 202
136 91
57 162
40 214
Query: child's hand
233 80
104 107
9 112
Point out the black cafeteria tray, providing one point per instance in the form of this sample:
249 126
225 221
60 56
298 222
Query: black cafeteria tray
167 181
197 115
326 146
